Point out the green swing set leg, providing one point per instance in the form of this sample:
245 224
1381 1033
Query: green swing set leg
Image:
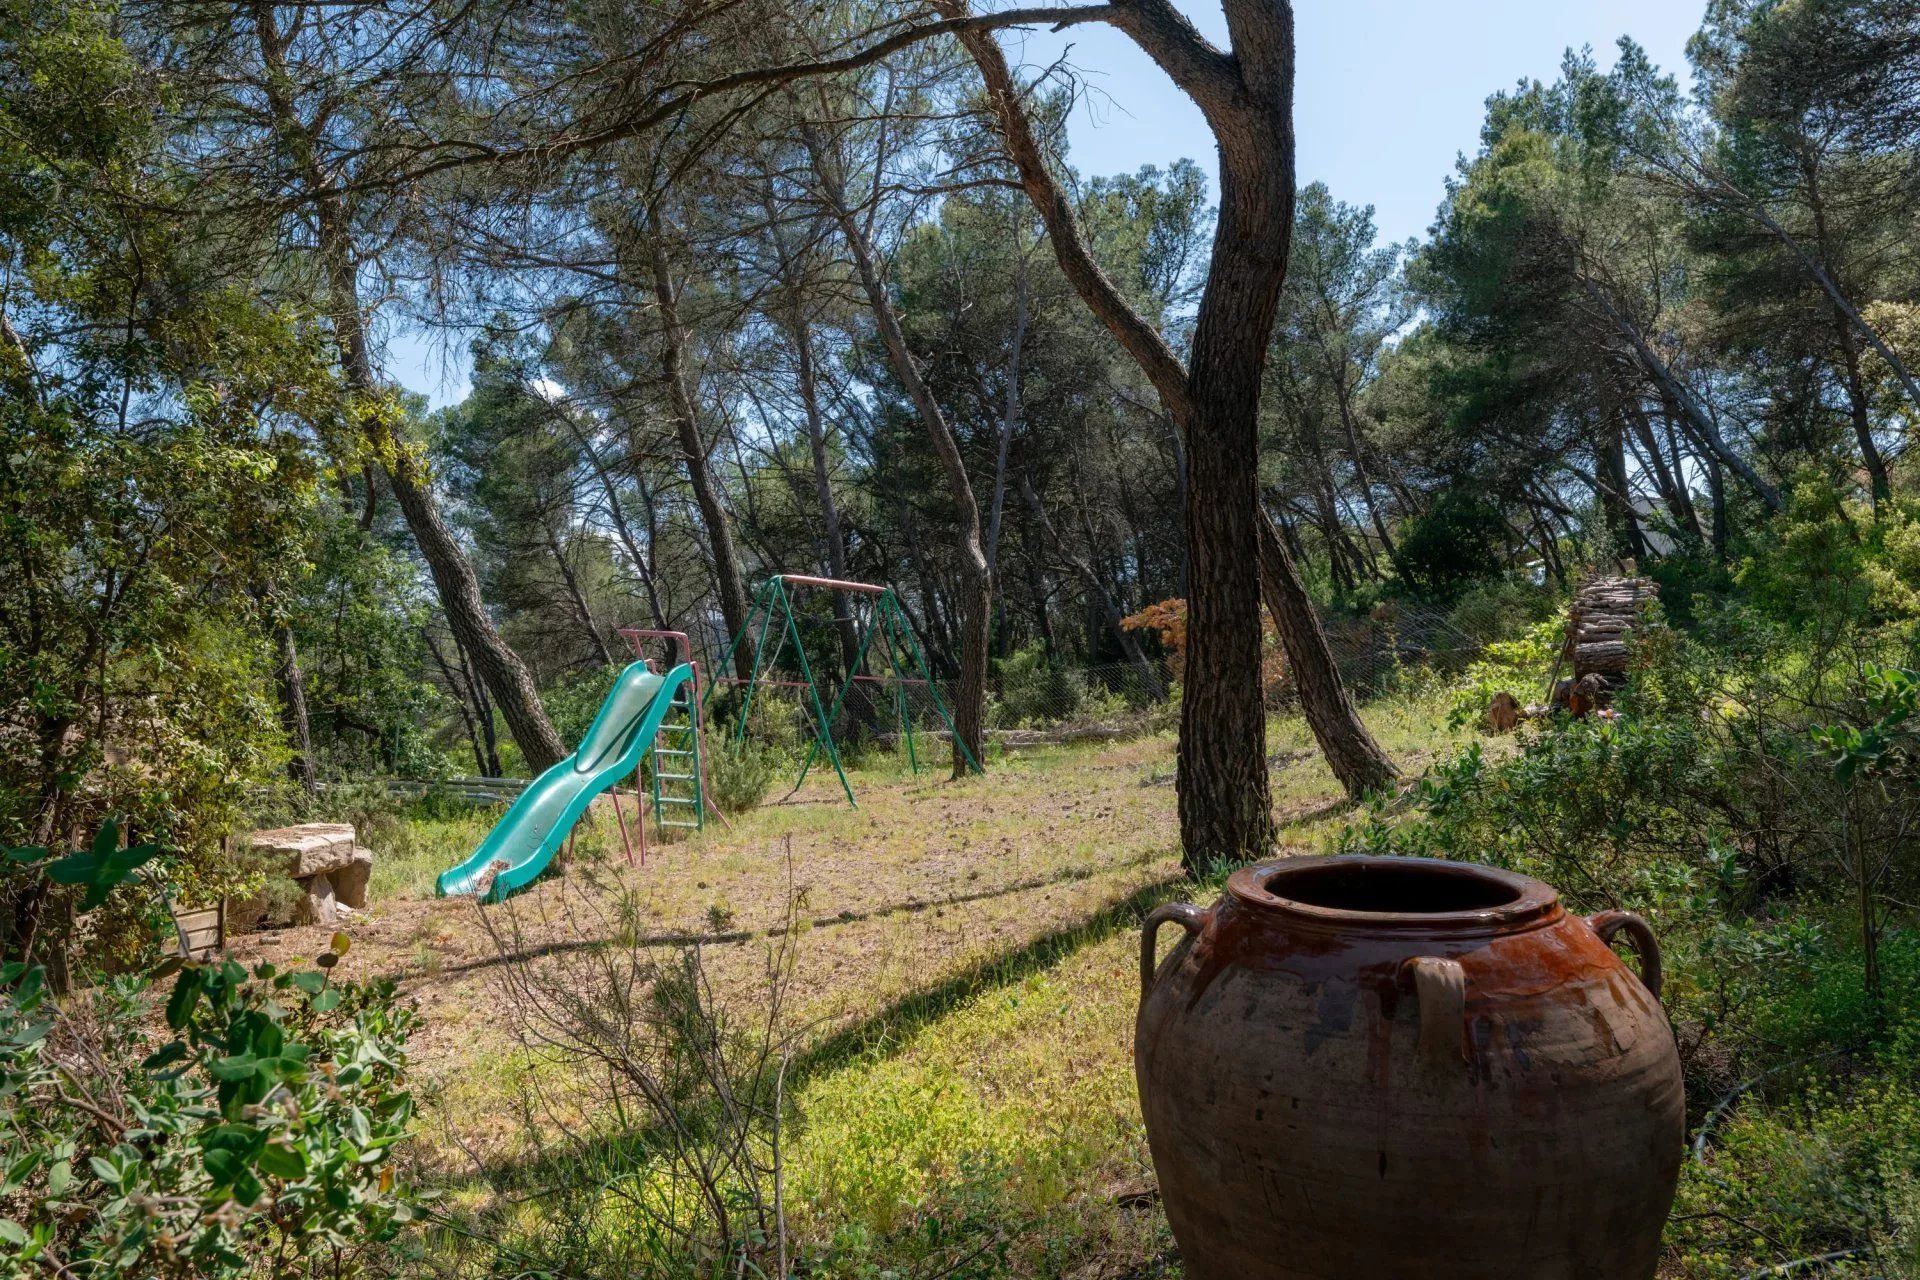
839 700
900 691
763 607
825 732
939 704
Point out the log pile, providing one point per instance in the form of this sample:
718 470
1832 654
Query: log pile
1604 614
1600 624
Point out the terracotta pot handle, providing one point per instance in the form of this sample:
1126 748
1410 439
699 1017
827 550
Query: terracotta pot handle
1609 923
1441 986
1188 916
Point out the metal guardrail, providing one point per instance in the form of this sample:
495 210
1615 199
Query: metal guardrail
479 790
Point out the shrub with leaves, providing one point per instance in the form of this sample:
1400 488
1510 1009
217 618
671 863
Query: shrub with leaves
247 1130
253 1131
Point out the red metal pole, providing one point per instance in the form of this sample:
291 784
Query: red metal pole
836 584
614 791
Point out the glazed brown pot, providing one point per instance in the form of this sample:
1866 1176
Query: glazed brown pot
1371 1068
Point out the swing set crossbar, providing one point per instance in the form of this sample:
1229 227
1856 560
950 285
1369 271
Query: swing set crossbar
887 618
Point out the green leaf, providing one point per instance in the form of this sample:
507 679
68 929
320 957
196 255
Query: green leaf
241 1139
17 1174
186 991
238 1066
327 1001
103 867
104 1170
310 981
164 1057
12 1232
285 1163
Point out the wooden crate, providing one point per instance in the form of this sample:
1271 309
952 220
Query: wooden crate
203 932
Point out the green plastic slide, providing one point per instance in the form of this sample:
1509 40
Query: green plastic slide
517 850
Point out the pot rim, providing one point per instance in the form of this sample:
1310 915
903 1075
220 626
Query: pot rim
1534 902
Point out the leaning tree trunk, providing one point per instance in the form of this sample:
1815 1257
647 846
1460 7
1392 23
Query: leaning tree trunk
976 576
706 490
447 562
1247 98
1354 756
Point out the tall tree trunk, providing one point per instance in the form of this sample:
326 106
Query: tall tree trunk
706 492
463 699
617 513
482 711
1673 494
1009 422
293 711
834 538
1615 494
447 562
1343 395
1859 411
576 596
1248 99
976 610
1699 422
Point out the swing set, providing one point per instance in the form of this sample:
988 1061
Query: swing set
885 619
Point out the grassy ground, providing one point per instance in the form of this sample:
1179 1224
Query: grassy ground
967 974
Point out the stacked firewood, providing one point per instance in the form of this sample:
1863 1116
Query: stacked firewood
1605 612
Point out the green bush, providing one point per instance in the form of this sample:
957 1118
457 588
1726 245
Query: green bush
741 771
1034 693
249 1131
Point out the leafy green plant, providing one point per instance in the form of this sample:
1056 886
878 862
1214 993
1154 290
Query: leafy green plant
250 1130
1519 666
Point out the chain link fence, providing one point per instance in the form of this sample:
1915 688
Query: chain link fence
1028 700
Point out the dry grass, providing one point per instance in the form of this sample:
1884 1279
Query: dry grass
967 972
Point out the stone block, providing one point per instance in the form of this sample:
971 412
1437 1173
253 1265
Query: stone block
350 881
309 849
317 906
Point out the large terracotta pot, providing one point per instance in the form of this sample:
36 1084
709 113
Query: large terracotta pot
1370 1068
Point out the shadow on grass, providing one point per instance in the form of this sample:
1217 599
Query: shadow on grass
885 1030
909 906
880 1034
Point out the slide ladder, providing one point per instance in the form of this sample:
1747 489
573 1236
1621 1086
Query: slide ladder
679 793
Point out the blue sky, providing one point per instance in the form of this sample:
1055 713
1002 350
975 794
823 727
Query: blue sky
1390 92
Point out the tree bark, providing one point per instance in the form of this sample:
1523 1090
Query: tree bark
706 492
447 561
1247 98
976 611
293 711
